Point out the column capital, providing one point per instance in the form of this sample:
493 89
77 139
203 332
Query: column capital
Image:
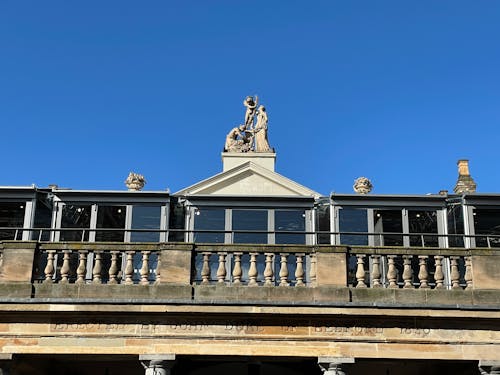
334 365
489 367
157 364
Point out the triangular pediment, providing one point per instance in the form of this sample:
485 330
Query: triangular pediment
248 179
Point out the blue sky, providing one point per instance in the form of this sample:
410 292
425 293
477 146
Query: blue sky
396 91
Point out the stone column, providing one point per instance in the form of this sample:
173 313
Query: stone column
489 367
157 364
5 362
334 365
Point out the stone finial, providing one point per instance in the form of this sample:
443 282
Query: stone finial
362 185
135 181
465 183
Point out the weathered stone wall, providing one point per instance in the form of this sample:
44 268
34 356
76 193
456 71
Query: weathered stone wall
325 317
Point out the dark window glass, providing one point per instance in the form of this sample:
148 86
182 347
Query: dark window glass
249 220
423 222
487 227
177 221
323 223
43 219
110 217
146 217
11 216
207 222
290 221
75 216
455 226
388 221
352 221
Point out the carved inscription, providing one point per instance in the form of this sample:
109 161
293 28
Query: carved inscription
353 331
237 327
87 327
416 331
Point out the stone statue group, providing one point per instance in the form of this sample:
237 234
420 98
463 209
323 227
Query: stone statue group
252 135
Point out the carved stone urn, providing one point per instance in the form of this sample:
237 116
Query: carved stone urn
135 181
362 185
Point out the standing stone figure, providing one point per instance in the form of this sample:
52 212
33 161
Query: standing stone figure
252 135
260 131
251 104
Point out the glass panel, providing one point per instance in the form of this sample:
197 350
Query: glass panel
323 223
11 215
388 221
423 221
75 216
455 225
110 217
487 226
253 220
43 219
209 219
177 220
146 217
291 221
353 220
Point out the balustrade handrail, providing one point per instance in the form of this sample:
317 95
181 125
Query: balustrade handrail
490 239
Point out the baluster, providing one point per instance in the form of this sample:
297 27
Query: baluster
312 276
82 267
360 271
284 270
205 269
96 271
237 268
158 268
376 275
454 274
65 267
407 272
423 274
129 268
49 268
392 272
268 271
299 271
221 270
113 269
468 272
145 268
439 274
252 271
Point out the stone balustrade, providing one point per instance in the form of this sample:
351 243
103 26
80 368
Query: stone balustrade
81 263
48 266
282 266
410 269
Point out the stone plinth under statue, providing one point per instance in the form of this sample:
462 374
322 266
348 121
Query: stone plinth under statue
233 159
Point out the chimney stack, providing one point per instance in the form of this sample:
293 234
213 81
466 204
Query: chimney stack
465 183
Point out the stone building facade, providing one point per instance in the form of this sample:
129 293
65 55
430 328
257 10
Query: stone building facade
248 272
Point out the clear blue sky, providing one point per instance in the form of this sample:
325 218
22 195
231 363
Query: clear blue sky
396 91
